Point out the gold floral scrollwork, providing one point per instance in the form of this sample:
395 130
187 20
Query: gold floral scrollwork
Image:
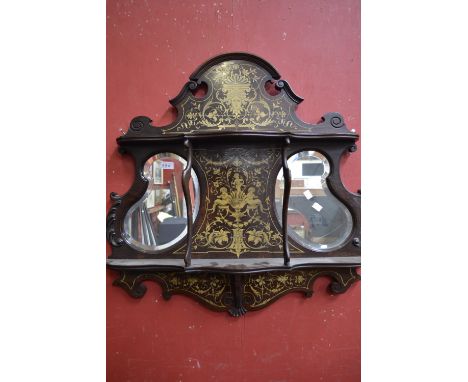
207 287
236 102
236 86
218 291
263 288
238 212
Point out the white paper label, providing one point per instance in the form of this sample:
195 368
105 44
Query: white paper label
317 207
167 165
314 182
308 194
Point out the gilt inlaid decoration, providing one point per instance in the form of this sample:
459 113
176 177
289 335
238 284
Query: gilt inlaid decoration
239 213
204 216
217 291
236 100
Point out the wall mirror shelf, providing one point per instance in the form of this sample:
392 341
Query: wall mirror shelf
237 202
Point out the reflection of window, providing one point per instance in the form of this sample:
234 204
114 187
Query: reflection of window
312 169
158 176
159 219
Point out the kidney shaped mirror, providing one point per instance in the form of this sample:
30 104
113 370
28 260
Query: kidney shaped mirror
159 219
316 218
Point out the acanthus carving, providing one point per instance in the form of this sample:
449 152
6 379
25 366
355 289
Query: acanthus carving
112 235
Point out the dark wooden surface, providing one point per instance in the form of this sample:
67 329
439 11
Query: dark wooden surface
287 189
188 201
241 132
237 293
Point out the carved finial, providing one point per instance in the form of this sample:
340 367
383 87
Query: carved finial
283 84
352 149
139 123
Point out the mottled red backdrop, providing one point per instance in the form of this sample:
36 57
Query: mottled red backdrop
152 48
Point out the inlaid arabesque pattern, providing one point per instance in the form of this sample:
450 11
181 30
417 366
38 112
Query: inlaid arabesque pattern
239 136
236 100
239 212
215 290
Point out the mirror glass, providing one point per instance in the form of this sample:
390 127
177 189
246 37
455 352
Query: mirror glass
159 219
316 219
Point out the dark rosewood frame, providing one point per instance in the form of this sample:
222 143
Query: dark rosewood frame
234 279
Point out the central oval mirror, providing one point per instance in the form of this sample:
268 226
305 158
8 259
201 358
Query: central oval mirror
159 219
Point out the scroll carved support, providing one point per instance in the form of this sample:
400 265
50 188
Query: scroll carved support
238 308
112 236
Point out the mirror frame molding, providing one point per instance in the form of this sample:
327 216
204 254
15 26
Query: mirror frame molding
262 124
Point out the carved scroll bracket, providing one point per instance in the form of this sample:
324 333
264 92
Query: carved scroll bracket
112 234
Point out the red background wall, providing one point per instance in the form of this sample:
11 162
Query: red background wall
152 48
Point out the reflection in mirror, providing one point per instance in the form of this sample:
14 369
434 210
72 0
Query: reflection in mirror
159 219
316 219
